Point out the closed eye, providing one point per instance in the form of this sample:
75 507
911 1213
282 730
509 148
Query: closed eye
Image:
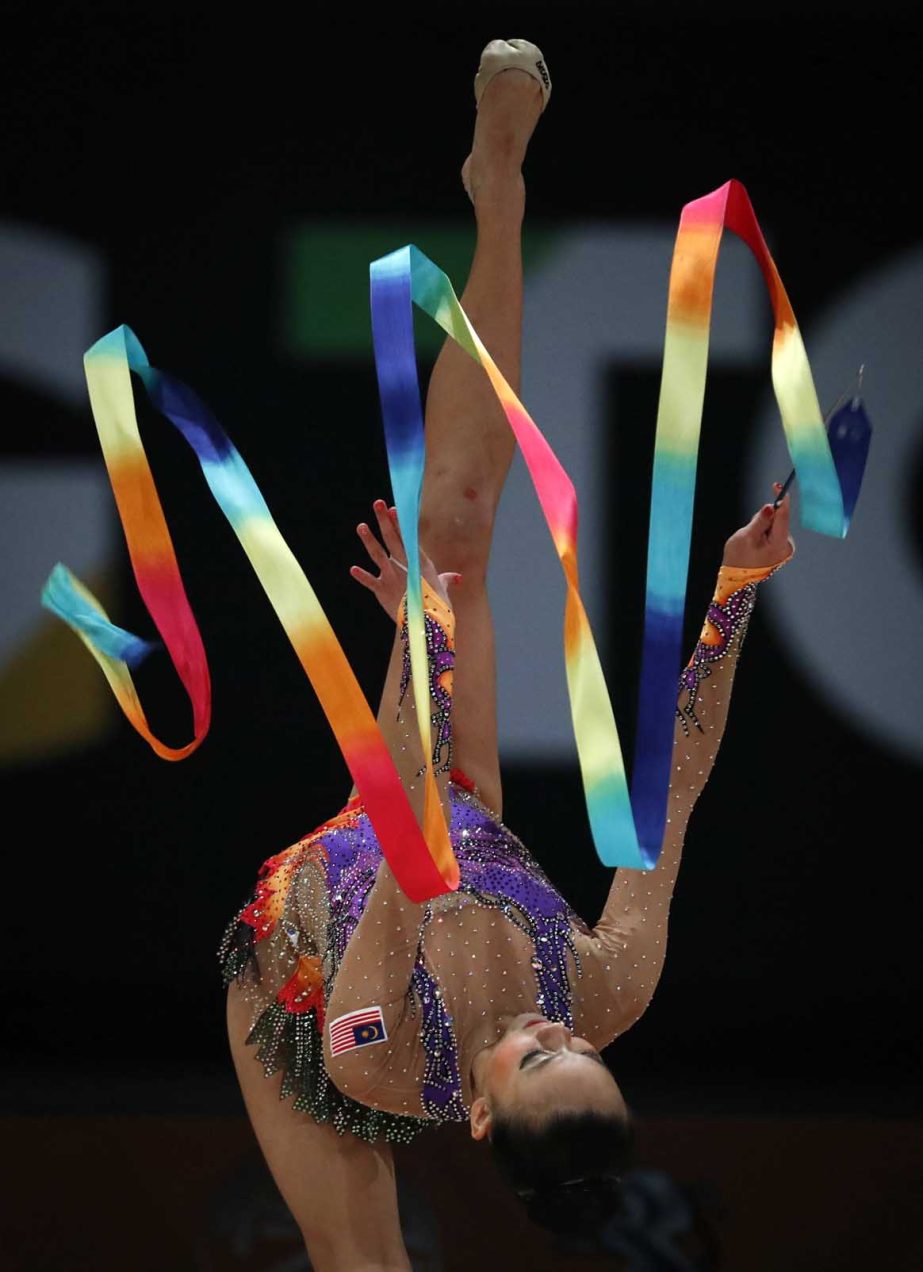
524 1062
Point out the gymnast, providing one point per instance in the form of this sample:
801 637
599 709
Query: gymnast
491 1004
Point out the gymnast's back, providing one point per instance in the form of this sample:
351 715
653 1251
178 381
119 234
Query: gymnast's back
438 977
375 1006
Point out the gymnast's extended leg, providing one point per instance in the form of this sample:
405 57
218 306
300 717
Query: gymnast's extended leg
469 443
342 1190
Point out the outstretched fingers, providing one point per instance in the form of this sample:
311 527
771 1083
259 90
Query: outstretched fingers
390 531
389 586
372 546
391 559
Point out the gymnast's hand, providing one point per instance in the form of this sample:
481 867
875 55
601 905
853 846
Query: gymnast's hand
391 583
764 540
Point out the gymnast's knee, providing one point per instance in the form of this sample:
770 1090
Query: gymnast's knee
456 533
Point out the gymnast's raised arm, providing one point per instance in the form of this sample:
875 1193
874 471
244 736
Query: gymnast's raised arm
397 716
379 959
633 925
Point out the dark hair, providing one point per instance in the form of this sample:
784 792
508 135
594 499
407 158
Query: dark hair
567 1170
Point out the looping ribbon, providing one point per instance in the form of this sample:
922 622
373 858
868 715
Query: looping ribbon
627 830
108 364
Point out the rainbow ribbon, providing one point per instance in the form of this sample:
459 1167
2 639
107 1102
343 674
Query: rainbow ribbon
424 867
422 860
627 829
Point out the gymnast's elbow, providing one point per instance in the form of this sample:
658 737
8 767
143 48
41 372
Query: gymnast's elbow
631 1007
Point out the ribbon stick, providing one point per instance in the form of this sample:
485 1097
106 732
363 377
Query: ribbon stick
627 829
108 363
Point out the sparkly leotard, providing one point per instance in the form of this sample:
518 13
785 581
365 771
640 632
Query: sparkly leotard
326 931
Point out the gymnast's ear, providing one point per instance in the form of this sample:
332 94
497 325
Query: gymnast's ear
481 1118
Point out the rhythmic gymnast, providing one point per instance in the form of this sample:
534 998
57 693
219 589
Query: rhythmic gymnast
489 1005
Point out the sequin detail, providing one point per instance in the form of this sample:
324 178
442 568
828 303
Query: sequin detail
727 620
317 888
441 1093
441 660
497 871
287 944
504 875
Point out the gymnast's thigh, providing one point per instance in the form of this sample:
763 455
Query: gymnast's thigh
341 1190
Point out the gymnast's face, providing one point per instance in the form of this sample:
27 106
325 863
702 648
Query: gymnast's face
536 1065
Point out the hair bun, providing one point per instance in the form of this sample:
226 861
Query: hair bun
574 1206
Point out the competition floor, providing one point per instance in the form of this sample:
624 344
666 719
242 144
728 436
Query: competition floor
166 1173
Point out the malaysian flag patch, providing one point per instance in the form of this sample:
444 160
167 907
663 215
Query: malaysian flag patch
357 1029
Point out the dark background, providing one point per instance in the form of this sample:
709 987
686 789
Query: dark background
183 144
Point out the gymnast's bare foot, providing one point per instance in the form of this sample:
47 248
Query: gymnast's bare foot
508 111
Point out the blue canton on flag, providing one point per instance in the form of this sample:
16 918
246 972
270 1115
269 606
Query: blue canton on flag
357 1029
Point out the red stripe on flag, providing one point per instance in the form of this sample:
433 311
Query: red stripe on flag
343 1029
345 1024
